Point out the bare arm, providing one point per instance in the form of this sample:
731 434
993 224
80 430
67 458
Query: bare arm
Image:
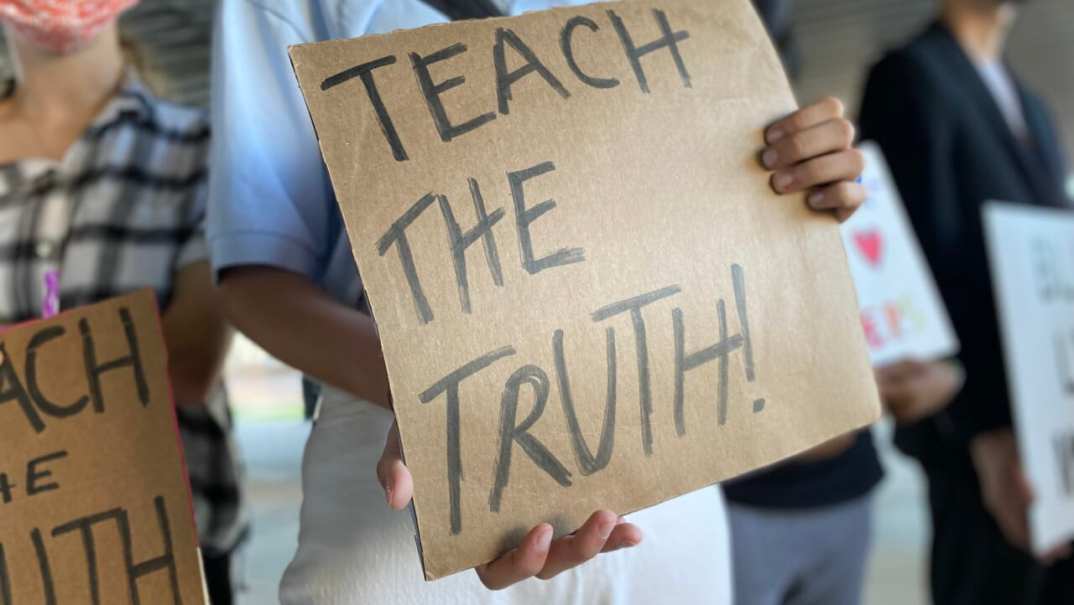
197 336
303 326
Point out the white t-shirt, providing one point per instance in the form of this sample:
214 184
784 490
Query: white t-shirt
271 204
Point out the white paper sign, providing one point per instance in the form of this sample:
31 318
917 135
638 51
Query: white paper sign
901 311
1031 251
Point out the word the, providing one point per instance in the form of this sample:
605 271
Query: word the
433 89
513 431
38 478
459 241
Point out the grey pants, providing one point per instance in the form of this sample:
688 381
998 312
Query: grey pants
804 557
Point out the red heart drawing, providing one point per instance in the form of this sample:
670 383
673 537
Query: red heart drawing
871 244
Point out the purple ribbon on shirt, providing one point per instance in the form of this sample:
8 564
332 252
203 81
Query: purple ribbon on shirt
50 305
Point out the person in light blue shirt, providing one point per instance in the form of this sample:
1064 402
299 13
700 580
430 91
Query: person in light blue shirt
288 281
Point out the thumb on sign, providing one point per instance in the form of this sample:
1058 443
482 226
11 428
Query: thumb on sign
538 555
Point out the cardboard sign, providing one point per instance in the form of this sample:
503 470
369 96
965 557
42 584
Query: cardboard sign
1031 251
587 294
901 310
93 504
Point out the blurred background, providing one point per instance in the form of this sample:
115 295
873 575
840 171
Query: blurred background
834 42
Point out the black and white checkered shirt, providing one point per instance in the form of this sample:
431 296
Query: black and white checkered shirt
123 210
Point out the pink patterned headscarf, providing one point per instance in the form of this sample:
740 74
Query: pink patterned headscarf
61 26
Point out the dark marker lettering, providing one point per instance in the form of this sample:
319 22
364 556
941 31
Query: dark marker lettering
645 397
492 255
396 235
684 363
460 241
432 91
47 585
721 400
132 360
365 73
587 462
1042 255
5 488
1063 363
15 391
33 476
566 37
738 280
450 385
135 571
84 526
1064 452
43 403
524 217
166 561
511 433
505 79
637 302
668 39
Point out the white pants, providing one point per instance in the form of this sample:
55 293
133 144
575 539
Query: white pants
354 549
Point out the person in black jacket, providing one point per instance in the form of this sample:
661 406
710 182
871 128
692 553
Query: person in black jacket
818 506
959 129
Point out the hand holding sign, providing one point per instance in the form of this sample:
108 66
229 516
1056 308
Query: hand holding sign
94 505
1007 493
812 150
914 390
585 290
537 554
1031 255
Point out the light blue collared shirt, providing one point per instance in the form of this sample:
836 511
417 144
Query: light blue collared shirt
270 200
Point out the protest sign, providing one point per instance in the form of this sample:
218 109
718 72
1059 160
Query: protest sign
901 310
587 294
1031 252
94 507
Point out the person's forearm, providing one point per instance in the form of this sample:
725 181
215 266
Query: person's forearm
301 325
197 336
194 374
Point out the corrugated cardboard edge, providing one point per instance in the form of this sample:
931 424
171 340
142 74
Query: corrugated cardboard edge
172 408
291 51
413 509
151 299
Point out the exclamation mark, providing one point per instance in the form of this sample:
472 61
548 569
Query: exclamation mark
738 280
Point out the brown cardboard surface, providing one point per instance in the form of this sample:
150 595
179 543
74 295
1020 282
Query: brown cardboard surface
94 507
656 193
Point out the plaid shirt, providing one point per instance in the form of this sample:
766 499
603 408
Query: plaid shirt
124 209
